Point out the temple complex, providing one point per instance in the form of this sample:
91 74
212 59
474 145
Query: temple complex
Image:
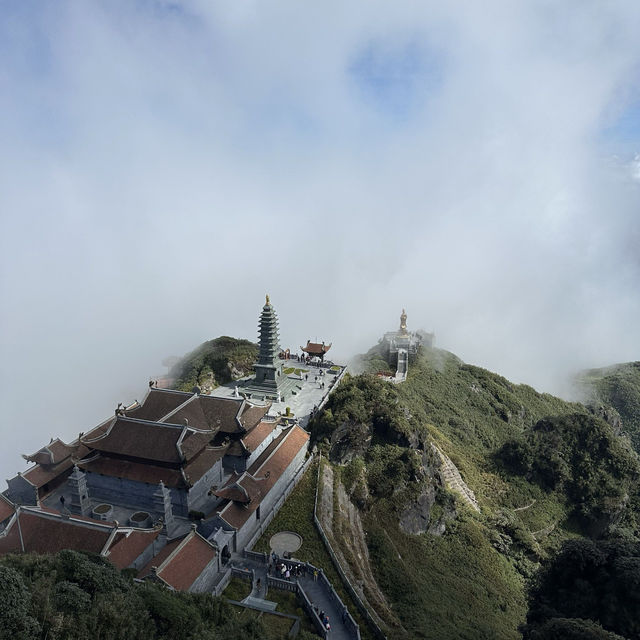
174 485
402 343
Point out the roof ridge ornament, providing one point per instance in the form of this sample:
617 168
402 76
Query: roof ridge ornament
268 302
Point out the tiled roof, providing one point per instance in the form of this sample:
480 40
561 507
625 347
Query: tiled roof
140 439
44 532
52 453
127 546
316 347
194 442
40 474
221 413
158 403
189 561
160 557
252 414
181 562
257 435
6 508
136 471
47 531
236 448
199 465
266 471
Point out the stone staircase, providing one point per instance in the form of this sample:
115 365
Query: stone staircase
403 365
453 479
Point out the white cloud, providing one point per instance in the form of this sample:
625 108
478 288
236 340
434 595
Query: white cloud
165 164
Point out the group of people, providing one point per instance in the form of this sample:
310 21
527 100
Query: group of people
323 617
286 571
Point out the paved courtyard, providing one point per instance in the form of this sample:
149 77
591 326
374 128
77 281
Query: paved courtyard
285 542
309 391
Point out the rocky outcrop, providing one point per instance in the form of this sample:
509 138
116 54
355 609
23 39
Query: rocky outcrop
416 518
609 415
348 441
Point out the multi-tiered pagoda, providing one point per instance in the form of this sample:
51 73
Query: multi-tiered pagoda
270 382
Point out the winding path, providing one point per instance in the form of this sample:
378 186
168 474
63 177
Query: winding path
316 592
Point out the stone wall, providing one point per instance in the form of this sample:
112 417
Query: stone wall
198 494
207 579
138 495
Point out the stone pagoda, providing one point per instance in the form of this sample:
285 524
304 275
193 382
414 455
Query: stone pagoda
269 382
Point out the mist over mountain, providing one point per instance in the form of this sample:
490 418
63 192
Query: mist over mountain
166 164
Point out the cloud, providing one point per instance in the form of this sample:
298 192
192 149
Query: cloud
164 164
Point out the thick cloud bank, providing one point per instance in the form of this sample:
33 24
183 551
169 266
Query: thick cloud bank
165 164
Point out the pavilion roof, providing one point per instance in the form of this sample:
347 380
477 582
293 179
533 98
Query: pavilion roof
316 347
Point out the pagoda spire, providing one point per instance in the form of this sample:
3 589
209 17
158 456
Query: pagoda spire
269 335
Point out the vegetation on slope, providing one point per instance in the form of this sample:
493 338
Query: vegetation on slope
75 595
617 387
215 362
543 470
588 584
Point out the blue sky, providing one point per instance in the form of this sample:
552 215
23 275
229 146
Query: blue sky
164 165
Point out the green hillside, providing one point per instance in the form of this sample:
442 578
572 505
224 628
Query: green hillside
215 362
543 471
617 387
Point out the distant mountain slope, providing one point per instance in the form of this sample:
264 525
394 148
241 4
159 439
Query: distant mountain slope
617 386
215 362
542 469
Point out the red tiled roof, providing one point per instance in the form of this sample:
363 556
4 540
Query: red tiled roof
257 435
316 347
40 474
6 508
181 561
136 471
181 570
158 403
160 557
266 471
46 533
127 546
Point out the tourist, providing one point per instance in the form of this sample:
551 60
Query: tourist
315 575
287 574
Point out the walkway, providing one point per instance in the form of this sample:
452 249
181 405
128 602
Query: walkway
316 592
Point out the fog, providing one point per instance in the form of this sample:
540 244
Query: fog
163 165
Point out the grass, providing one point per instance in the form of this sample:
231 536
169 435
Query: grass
237 589
288 602
449 587
292 370
297 515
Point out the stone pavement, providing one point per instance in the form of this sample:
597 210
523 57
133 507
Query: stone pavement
302 404
316 591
